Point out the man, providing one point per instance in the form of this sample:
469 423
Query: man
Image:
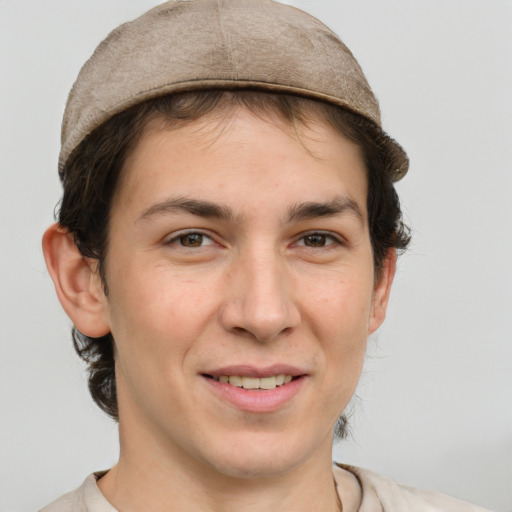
226 243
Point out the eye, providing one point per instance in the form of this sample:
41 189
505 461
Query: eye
317 240
191 240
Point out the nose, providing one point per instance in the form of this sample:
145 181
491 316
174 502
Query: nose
259 299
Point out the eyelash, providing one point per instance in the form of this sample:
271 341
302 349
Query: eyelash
326 237
177 238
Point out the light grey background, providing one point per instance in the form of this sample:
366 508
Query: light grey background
435 406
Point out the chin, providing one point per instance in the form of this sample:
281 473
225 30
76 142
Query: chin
260 455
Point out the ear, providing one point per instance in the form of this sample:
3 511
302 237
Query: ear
381 292
77 282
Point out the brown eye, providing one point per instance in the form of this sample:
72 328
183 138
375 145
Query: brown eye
191 240
315 240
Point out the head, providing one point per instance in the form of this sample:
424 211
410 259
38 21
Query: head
166 154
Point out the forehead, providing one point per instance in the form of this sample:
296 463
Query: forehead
233 152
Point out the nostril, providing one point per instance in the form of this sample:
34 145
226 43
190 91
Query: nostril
240 330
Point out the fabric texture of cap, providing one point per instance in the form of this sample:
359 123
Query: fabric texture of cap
187 45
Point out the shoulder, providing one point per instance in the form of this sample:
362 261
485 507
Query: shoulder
87 498
71 502
394 497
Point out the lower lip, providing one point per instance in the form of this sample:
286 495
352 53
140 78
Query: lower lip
250 400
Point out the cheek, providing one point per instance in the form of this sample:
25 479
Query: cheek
339 312
158 309
156 321
341 305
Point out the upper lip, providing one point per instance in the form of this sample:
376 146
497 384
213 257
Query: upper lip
245 370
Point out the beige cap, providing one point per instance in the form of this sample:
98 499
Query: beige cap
189 45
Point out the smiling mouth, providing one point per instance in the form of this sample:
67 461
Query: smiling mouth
255 383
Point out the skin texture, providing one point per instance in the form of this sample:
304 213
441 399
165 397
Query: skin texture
258 280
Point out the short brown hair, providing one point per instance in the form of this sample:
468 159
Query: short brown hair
92 172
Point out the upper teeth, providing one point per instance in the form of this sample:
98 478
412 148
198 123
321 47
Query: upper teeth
255 382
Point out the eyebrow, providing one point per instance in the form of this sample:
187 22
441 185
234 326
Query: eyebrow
301 211
312 210
193 206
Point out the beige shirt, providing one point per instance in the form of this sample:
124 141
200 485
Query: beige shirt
379 494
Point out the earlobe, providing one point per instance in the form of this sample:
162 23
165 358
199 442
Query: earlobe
381 292
76 282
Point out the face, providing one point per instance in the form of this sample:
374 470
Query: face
241 292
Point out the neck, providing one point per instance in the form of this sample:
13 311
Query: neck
130 490
155 480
